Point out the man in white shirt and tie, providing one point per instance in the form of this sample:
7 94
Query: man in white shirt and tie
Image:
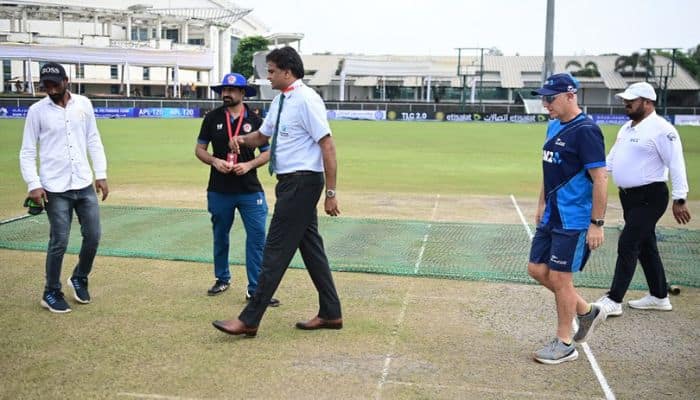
647 148
62 125
302 155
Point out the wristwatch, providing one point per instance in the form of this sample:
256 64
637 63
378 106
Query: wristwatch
680 202
598 222
330 193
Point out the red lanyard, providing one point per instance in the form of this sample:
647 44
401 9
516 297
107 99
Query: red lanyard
238 129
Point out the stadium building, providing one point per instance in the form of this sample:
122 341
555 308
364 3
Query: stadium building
179 48
166 48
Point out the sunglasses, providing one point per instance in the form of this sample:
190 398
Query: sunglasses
550 97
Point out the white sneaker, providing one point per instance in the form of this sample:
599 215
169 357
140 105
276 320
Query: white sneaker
650 302
609 307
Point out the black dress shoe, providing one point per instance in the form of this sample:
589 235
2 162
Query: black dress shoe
273 301
320 323
218 288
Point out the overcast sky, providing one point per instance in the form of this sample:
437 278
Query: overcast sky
437 27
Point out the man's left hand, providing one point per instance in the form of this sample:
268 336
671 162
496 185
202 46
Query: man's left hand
331 206
101 186
681 213
241 168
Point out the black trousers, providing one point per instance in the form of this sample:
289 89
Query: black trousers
642 207
294 226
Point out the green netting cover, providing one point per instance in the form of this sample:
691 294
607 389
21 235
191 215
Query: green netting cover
472 251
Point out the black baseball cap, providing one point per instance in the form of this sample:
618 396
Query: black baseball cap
53 72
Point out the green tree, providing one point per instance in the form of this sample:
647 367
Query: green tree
589 70
629 65
243 60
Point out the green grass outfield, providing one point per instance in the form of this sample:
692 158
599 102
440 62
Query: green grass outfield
403 157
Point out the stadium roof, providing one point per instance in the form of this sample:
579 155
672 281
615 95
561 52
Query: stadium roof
46 11
510 72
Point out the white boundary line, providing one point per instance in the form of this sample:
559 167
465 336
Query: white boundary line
609 395
404 306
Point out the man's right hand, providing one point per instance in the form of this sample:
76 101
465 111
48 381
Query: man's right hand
221 165
235 144
38 195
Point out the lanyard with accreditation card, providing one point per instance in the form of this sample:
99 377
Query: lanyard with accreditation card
232 158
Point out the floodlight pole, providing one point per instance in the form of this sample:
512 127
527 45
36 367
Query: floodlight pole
548 67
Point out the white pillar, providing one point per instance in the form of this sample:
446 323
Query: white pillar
159 29
128 27
185 33
176 82
63 23
24 21
224 52
427 91
97 21
128 79
342 85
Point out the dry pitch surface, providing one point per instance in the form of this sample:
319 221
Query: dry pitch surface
147 334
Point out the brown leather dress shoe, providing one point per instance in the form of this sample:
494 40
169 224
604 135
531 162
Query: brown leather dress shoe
235 327
320 323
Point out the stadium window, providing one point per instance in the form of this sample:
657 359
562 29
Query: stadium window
139 34
80 71
147 91
114 89
199 76
196 42
6 70
172 34
114 71
146 73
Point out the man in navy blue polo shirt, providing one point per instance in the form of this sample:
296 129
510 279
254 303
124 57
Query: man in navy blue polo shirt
570 213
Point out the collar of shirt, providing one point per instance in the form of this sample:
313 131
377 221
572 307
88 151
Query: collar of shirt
288 91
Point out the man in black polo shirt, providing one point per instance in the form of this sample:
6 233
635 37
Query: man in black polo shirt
233 181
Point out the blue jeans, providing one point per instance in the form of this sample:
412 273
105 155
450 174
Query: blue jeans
253 210
59 209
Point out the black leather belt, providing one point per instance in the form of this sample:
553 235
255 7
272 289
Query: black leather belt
642 188
297 173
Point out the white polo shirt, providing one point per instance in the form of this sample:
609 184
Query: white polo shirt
303 123
65 137
645 153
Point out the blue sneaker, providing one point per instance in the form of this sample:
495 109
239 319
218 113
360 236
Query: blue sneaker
80 289
53 300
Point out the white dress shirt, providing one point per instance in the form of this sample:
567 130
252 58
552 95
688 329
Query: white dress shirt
302 124
65 137
645 153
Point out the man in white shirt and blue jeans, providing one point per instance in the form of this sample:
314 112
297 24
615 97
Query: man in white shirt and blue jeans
63 126
646 150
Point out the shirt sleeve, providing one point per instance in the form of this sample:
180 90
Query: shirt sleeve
591 147
204 136
27 153
94 144
668 144
315 119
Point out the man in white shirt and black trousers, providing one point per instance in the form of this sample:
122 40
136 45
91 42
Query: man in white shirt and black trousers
302 152
646 149
63 126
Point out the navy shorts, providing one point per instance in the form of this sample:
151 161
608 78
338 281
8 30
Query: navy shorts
562 250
